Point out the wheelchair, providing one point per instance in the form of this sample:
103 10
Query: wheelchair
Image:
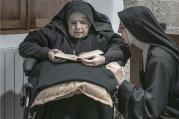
25 100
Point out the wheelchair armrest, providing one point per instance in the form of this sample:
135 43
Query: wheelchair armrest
28 65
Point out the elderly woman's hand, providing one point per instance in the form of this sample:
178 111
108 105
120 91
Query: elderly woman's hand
51 55
117 70
93 60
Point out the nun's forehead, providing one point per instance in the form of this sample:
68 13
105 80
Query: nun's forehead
78 14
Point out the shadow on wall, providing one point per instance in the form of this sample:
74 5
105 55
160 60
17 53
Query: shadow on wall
10 106
11 81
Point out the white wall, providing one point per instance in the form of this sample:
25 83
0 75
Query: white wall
11 41
109 8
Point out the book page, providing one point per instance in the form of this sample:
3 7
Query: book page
90 54
82 55
66 56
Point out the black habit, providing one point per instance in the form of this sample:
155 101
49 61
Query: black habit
158 95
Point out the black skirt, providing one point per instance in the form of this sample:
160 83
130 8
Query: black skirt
75 107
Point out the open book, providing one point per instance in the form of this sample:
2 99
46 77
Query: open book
77 58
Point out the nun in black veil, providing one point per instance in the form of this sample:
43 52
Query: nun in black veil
158 95
66 89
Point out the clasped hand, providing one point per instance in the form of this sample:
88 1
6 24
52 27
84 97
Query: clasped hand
51 55
93 60
117 70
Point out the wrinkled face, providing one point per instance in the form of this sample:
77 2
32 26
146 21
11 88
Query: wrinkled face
122 29
129 38
78 25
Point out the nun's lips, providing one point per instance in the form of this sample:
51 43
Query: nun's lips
78 32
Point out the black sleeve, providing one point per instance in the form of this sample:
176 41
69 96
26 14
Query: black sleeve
149 102
34 45
117 50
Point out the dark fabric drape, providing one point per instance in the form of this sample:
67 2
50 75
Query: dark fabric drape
76 107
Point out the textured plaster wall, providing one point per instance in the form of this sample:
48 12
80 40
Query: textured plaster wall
166 11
